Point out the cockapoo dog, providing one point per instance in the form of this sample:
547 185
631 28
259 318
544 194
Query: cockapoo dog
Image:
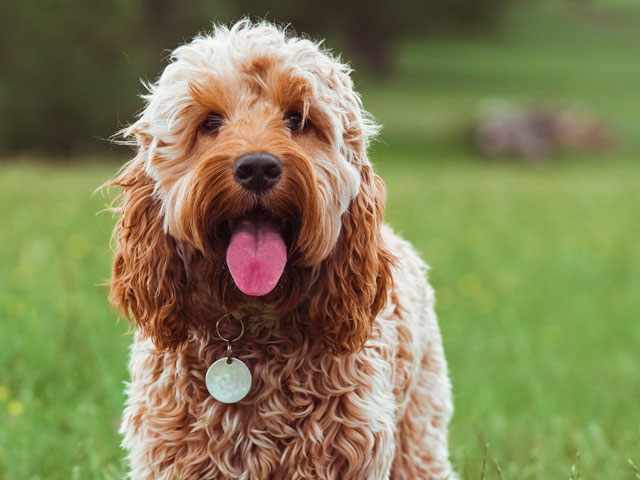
251 231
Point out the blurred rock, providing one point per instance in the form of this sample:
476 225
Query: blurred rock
534 132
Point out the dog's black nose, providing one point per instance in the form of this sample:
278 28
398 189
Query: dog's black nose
257 171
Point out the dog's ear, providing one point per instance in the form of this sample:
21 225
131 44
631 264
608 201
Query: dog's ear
149 280
354 281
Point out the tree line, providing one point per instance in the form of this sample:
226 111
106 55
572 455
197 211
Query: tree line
69 71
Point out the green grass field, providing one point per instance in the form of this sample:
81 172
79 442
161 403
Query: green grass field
536 269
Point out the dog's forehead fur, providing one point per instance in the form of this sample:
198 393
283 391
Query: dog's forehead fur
232 69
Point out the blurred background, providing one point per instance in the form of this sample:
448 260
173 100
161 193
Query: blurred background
510 149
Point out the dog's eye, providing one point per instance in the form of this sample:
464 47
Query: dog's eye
295 122
212 123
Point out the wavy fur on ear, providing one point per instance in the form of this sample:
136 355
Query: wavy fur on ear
149 280
354 281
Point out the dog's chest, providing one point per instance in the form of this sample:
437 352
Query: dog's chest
327 408
298 393
331 410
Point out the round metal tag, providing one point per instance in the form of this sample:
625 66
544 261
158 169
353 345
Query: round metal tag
228 382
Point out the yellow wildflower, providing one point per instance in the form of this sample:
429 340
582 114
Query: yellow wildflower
16 408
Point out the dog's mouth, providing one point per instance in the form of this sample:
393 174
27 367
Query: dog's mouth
257 251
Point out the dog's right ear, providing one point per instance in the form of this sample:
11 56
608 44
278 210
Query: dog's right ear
149 280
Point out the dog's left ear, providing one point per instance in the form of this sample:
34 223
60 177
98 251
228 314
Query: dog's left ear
354 281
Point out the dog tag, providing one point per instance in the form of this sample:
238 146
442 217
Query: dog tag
228 382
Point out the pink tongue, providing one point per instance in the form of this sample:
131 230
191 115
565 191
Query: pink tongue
256 256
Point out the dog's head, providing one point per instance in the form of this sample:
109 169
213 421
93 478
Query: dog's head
251 191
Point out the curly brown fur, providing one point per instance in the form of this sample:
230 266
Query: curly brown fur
349 376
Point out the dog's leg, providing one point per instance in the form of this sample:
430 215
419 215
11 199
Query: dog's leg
421 436
157 425
348 454
345 437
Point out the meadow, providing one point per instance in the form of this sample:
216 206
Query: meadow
536 267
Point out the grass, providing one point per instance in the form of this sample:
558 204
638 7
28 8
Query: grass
536 274
541 54
536 270
63 357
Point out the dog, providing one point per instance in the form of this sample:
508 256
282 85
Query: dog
250 234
